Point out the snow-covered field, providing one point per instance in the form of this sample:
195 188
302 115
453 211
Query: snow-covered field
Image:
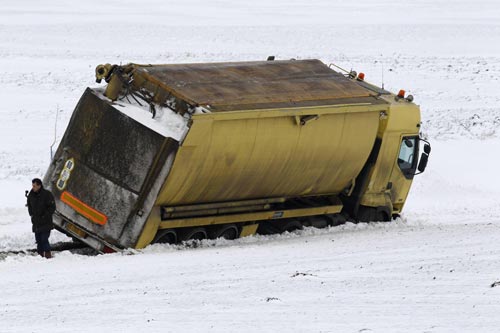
430 271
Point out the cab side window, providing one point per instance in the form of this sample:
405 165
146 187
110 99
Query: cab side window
407 160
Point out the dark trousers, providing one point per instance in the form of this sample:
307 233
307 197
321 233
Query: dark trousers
42 241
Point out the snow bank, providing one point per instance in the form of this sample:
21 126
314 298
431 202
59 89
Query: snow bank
431 271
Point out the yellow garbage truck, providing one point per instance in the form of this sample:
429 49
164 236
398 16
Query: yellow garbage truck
168 153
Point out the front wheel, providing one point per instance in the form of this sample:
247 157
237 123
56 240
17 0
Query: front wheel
372 214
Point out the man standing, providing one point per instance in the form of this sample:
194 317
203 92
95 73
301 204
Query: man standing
41 206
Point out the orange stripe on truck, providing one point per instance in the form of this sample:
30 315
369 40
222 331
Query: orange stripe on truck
84 209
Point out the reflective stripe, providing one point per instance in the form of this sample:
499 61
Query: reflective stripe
82 208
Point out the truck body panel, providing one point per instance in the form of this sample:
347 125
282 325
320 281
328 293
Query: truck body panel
251 157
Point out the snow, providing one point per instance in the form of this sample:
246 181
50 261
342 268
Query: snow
430 271
165 121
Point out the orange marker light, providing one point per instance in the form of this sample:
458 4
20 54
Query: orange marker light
401 93
83 209
361 76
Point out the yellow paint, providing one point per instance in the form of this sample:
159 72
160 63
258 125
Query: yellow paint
150 229
231 156
249 230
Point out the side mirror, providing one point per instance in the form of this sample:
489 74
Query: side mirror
424 158
427 149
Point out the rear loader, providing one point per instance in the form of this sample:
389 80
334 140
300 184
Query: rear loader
167 153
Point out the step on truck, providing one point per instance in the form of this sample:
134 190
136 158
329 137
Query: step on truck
168 153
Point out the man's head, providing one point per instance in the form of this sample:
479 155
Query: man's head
36 184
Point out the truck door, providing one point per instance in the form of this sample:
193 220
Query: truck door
403 170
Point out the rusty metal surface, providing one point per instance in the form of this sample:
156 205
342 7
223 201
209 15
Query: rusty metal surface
253 85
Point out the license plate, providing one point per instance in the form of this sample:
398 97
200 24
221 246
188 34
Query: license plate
74 229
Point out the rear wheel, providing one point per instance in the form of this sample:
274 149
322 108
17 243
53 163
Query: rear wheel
194 233
166 237
279 226
336 219
267 228
228 231
320 221
291 225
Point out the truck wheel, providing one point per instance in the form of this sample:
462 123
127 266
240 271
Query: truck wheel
291 225
317 221
268 228
166 237
372 214
279 226
382 217
336 219
193 233
228 231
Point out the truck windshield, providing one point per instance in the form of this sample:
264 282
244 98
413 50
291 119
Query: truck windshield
406 159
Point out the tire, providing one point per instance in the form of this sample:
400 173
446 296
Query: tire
336 219
267 228
168 236
290 226
228 231
279 226
192 233
319 222
372 214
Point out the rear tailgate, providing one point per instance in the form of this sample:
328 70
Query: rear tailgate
103 172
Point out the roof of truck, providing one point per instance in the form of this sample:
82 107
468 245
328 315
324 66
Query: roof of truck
258 84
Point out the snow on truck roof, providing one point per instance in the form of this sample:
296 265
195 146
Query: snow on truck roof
257 84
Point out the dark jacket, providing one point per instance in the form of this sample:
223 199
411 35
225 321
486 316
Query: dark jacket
41 206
